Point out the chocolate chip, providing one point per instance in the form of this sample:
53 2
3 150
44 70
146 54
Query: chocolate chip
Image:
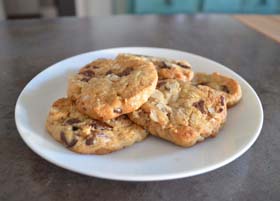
89 66
72 121
222 100
63 137
225 88
87 73
64 140
200 106
89 141
166 87
85 79
72 143
203 83
169 115
74 128
163 64
160 83
118 110
109 72
100 125
183 65
220 110
122 117
126 72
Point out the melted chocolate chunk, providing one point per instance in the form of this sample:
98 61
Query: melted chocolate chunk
63 137
200 106
72 121
109 72
90 140
101 125
75 128
72 143
225 88
203 83
64 140
167 88
220 110
126 72
183 65
85 79
118 110
222 100
90 66
87 73
163 64
160 83
122 117
169 115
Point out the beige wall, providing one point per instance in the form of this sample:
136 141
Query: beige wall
22 7
93 7
2 13
120 6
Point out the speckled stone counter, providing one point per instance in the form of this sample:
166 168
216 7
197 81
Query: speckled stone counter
28 47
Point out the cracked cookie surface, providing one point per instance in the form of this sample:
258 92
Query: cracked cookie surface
82 134
108 88
170 69
228 86
182 113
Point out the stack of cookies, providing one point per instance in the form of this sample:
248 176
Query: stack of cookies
114 103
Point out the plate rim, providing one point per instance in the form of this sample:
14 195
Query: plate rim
144 178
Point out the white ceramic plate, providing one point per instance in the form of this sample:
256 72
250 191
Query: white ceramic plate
152 159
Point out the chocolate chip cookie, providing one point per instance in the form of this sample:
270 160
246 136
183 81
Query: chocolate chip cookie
182 113
170 69
108 88
230 87
81 134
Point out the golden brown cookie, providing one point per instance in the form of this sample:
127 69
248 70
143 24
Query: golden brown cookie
170 69
107 88
182 113
228 86
83 135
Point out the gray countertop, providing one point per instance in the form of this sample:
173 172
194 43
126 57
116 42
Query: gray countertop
28 47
